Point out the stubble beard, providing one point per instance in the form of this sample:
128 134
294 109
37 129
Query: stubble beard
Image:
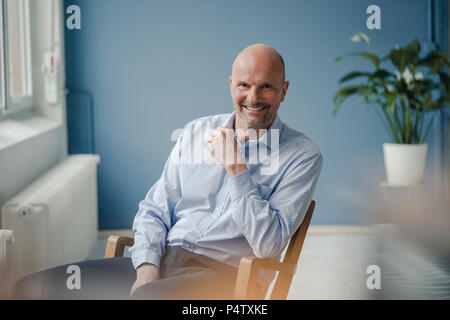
256 126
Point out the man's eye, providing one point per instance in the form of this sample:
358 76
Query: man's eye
243 85
266 86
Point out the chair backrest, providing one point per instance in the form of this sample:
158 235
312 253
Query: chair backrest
284 279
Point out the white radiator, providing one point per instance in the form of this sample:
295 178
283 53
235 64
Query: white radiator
54 220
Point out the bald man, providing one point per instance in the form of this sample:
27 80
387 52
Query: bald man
234 185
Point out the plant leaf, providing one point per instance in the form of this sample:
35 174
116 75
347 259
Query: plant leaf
369 56
345 92
404 56
435 60
414 46
445 80
390 97
353 75
380 74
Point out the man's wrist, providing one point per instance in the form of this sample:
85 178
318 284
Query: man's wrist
147 268
235 169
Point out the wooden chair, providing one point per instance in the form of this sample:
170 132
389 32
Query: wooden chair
246 285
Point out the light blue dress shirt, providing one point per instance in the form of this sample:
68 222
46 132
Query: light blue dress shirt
196 206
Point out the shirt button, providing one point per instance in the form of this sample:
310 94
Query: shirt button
217 209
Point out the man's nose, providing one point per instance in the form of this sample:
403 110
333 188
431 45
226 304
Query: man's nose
254 96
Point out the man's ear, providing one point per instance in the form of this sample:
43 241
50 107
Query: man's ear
285 88
229 78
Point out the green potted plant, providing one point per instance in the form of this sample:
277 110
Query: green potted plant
406 95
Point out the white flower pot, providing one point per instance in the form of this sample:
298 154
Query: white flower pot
404 163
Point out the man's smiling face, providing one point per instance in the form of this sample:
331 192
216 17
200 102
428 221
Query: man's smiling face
257 86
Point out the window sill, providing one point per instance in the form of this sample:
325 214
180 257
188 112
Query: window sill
20 127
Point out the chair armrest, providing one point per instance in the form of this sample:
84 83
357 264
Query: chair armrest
116 245
248 273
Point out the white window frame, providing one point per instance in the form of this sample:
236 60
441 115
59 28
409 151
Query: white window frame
7 103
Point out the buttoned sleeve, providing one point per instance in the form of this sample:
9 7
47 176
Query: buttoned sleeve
268 224
155 215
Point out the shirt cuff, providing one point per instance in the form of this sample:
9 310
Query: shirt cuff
241 184
145 256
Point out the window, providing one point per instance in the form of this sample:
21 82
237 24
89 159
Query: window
15 55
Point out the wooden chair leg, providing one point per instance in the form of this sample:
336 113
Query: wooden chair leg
246 280
282 285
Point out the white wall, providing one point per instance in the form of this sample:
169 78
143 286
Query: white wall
45 142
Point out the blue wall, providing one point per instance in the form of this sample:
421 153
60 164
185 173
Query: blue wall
152 66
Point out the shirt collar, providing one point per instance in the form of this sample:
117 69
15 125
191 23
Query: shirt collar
265 139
